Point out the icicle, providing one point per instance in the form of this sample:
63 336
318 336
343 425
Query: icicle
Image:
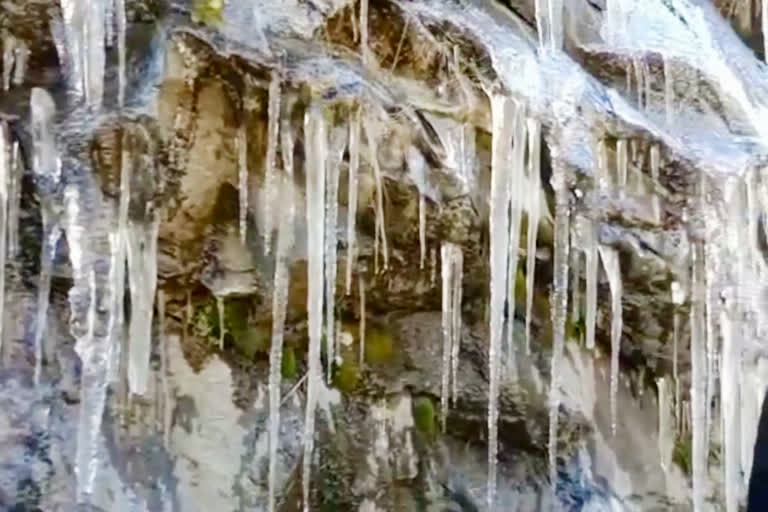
222 321
452 261
95 56
361 331
534 180
317 152
655 164
167 410
502 110
559 309
446 265
764 24
549 20
516 191
5 170
92 400
677 300
665 443
142 266
621 165
698 380
279 310
121 26
21 54
610 258
273 113
9 45
591 262
422 230
669 91
381 231
458 278
242 181
729 390
335 156
14 200
45 163
364 31
354 164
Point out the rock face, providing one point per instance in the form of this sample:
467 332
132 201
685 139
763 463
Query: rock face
201 149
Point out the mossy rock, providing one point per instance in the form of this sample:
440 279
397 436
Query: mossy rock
208 12
681 454
379 346
288 366
252 341
425 416
347 376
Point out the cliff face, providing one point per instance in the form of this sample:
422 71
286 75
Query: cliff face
548 211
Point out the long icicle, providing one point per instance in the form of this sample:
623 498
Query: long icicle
361 330
610 258
458 278
242 180
273 113
142 277
354 165
729 387
534 180
516 190
559 310
279 306
502 110
335 156
381 230
698 379
317 148
446 266
14 199
163 349
47 169
121 28
5 170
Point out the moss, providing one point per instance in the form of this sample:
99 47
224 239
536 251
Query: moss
208 12
681 454
245 338
575 330
288 365
379 346
252 341
424 416
346 377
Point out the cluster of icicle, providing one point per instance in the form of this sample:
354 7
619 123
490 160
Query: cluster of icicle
717 291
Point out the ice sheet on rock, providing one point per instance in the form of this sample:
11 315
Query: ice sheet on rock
5 172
